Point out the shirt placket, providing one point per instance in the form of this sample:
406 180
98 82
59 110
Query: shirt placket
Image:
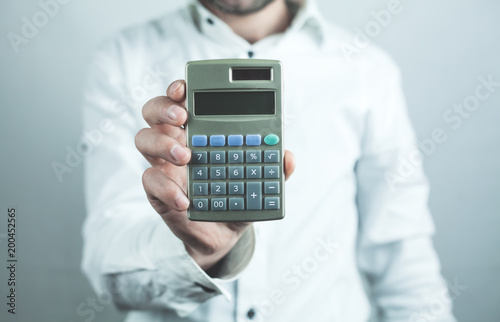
252 291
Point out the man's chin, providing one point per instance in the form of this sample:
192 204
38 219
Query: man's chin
238 7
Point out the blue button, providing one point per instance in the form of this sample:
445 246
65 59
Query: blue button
253 139
235 140
199 140
217 140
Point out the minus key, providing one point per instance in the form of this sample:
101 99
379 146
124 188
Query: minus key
271 188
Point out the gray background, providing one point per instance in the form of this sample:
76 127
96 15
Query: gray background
441 46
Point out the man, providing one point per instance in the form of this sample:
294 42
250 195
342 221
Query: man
347 228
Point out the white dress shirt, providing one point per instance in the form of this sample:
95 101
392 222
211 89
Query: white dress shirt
347 232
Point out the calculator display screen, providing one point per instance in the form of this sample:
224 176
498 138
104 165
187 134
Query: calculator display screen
234 103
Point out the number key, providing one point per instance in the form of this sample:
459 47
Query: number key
200 189
236 173
217 157
218 188
217 173
200 204
200 173
235 156
199 157
219 204
236 188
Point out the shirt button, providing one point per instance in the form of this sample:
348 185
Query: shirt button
251 314
210 21
250 54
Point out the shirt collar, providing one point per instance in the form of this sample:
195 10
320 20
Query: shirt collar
307 18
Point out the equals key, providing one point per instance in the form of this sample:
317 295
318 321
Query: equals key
272 203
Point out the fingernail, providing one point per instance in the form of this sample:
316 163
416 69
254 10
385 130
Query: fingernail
173 112
175 86
181 201
178 153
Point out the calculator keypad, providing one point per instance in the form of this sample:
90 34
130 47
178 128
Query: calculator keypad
235 180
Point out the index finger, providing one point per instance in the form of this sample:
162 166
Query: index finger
163 110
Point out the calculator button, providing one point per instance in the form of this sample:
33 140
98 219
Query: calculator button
272 203
272 172
217 157
219 204
200 173
271 139
236 203
253 156
271 156
236 188
235 140
253 139
217 140
235 156
254 195
217 173
254 172
200 204
199 157
271 187
200 189
218 188
199 140
236 173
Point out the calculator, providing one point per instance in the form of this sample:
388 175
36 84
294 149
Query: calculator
235 133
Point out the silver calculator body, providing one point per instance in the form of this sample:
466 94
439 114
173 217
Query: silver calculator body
235 133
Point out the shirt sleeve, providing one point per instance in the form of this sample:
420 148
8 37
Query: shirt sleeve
129 252
395 249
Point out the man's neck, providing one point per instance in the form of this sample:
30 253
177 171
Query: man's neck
272 19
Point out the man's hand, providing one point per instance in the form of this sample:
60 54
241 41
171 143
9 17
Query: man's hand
164 146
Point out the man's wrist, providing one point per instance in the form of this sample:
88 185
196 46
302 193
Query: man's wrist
225 263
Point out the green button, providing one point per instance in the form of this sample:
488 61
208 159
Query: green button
271 139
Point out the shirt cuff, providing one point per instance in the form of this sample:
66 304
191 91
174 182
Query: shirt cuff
189 284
